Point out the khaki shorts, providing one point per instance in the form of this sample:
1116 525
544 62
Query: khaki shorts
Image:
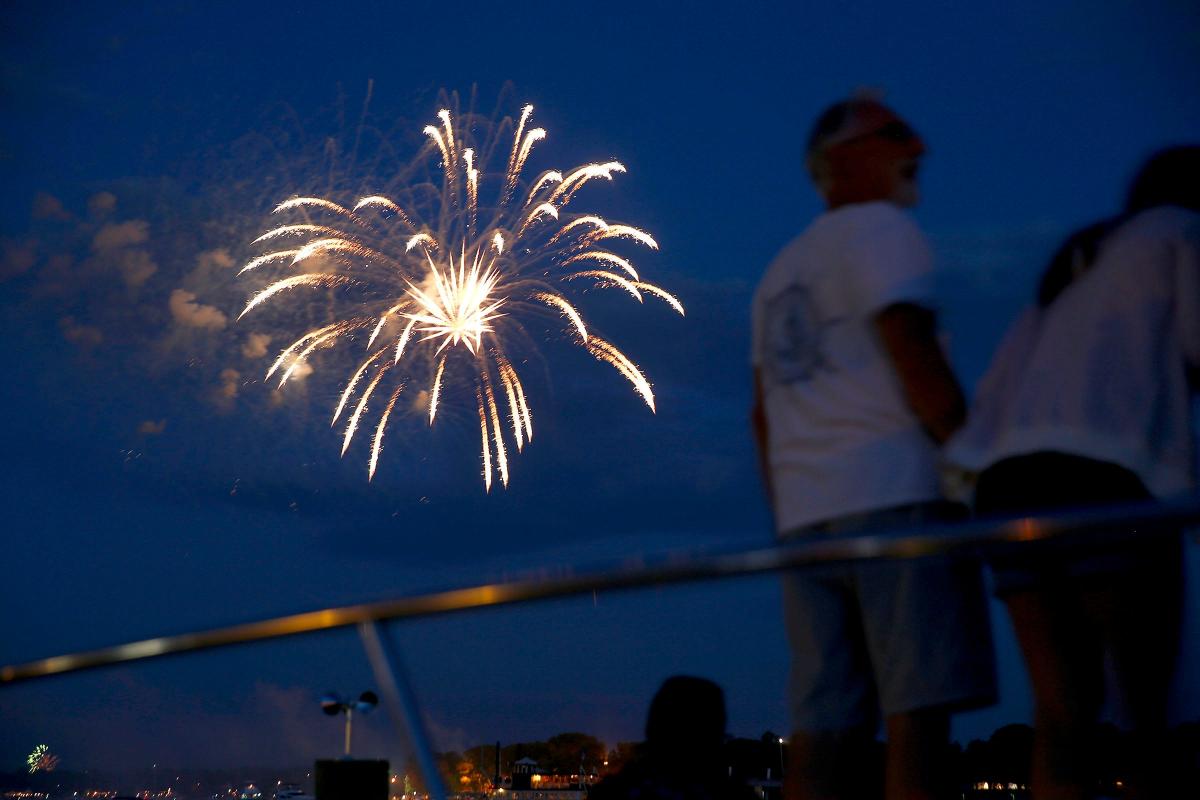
886 636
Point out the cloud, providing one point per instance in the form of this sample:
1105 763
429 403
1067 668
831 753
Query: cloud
122 234
255 345
136 267
83 336
217 258
227 389
186 311
47 206
118 244
229 383
57 276
149 427
212 271
301 370
102 204
17 259
128 717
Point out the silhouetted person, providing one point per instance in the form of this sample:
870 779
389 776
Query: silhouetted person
1088 401
681 758
853 395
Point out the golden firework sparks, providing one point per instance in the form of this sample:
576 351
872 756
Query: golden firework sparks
377 440
460 307
445 280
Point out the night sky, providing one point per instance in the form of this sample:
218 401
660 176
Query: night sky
154 485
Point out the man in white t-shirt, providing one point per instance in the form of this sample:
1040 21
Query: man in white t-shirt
853 395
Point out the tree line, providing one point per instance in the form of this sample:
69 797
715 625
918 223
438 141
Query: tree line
1003 757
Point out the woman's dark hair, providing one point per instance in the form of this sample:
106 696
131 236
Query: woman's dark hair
1073 258
1170 177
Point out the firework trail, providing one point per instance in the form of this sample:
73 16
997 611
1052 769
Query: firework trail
443 283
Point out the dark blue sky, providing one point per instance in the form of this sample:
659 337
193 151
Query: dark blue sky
1035 113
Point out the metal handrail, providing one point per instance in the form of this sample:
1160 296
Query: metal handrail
977 536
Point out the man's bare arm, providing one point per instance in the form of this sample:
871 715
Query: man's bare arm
758 423
909 335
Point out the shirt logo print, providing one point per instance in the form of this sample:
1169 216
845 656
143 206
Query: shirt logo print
794 334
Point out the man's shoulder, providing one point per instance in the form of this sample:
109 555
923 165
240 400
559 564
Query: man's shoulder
842 237
787 262
793 249
859 229
864 218
812 244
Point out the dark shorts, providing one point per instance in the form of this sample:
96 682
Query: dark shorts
1047 481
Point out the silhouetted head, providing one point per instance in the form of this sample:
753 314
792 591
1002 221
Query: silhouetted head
1170 177
686 720
860 151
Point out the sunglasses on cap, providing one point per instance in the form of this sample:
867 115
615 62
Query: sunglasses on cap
894 131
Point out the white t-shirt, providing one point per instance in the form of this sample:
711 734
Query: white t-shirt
1102 372
841 438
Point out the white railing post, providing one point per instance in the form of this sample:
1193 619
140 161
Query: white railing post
401 703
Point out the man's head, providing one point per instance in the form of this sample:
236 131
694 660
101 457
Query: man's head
860 151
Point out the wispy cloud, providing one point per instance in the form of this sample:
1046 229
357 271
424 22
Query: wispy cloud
150 427
187 311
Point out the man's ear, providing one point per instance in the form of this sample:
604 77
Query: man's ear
818 171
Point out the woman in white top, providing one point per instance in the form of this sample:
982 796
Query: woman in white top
1088 401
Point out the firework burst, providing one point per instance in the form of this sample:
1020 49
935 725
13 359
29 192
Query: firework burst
41 760
444 275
